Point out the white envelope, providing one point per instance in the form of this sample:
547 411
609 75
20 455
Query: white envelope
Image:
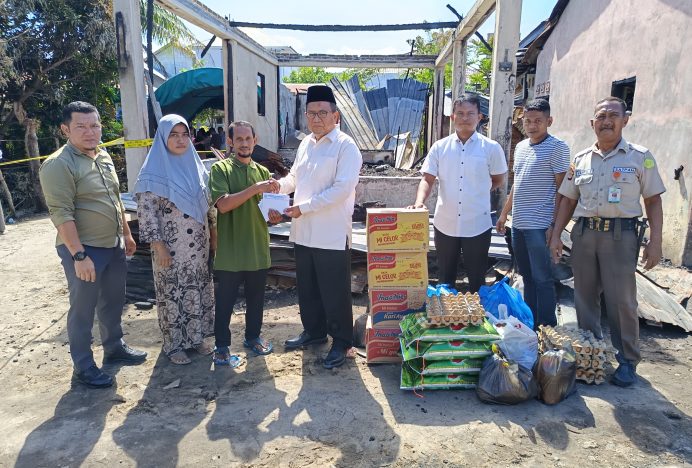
273 201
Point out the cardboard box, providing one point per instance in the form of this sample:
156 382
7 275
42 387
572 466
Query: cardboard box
387 269
389 305
397 230
382 345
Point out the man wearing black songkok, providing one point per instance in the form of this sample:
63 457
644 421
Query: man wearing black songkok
324 177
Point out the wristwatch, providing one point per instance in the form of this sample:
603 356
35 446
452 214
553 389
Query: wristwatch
79 256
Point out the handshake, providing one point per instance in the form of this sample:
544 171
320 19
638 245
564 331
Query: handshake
273 186
268 186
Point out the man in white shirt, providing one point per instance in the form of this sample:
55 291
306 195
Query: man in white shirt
324 177
468 166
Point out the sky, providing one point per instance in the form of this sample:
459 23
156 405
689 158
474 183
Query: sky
354 12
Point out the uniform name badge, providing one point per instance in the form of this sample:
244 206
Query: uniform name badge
614 193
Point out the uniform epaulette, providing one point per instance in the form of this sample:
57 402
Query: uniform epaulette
582 152
638 148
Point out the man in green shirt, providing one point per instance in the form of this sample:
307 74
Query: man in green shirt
82 192
242 255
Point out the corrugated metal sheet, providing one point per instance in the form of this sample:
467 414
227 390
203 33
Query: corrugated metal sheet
373 116
376 100
354 123
356 93
406 99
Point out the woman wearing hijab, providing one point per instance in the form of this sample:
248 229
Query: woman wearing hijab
175 218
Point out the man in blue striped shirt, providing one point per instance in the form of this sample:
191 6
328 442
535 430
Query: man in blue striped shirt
540 164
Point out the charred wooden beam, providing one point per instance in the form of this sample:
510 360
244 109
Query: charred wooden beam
347 27
357 61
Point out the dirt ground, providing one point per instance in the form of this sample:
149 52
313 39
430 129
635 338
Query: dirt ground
286 410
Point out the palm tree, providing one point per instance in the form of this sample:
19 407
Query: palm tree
167 26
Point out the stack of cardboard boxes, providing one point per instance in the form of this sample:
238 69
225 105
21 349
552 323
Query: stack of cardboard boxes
398 241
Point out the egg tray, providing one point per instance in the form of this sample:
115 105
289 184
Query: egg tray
459 309
591 353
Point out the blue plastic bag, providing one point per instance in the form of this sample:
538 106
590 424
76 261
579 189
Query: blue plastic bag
492 297
441 290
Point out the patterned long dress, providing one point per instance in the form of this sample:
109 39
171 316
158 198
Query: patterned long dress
185 290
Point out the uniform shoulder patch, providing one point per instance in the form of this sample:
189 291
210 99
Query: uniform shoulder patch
639 148
649 163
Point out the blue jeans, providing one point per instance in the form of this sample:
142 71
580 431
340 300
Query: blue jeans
533 260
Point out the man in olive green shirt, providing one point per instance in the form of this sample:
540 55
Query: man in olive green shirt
242 255
82 192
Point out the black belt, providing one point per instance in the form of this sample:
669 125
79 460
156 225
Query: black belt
608 224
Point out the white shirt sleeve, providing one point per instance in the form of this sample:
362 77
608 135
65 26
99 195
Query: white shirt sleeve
431 163
347 175
497 164
288 183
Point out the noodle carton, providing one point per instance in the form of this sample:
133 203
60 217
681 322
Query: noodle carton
397 230
394 269
389 305
382 344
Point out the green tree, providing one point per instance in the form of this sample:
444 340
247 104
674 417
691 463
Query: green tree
309 75
53 52
168 27
480 65
53 47
431 44
364 75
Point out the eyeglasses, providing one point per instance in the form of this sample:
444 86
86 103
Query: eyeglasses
321 114
178 135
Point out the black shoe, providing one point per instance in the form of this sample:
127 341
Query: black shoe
625 375
124 355
304 339
92 377
335 357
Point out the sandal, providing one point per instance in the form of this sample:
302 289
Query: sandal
259 346
223 357
179 358
205 349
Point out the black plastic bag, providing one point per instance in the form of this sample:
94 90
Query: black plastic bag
556 372
504 382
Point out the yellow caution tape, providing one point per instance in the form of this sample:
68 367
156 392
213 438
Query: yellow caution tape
117 141
138 143
22 160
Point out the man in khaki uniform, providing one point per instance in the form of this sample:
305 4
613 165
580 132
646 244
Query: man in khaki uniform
603 189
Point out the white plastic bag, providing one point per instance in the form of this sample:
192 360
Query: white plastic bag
519 343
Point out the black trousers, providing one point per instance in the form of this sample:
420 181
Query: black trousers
324 292
475 257
254 283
